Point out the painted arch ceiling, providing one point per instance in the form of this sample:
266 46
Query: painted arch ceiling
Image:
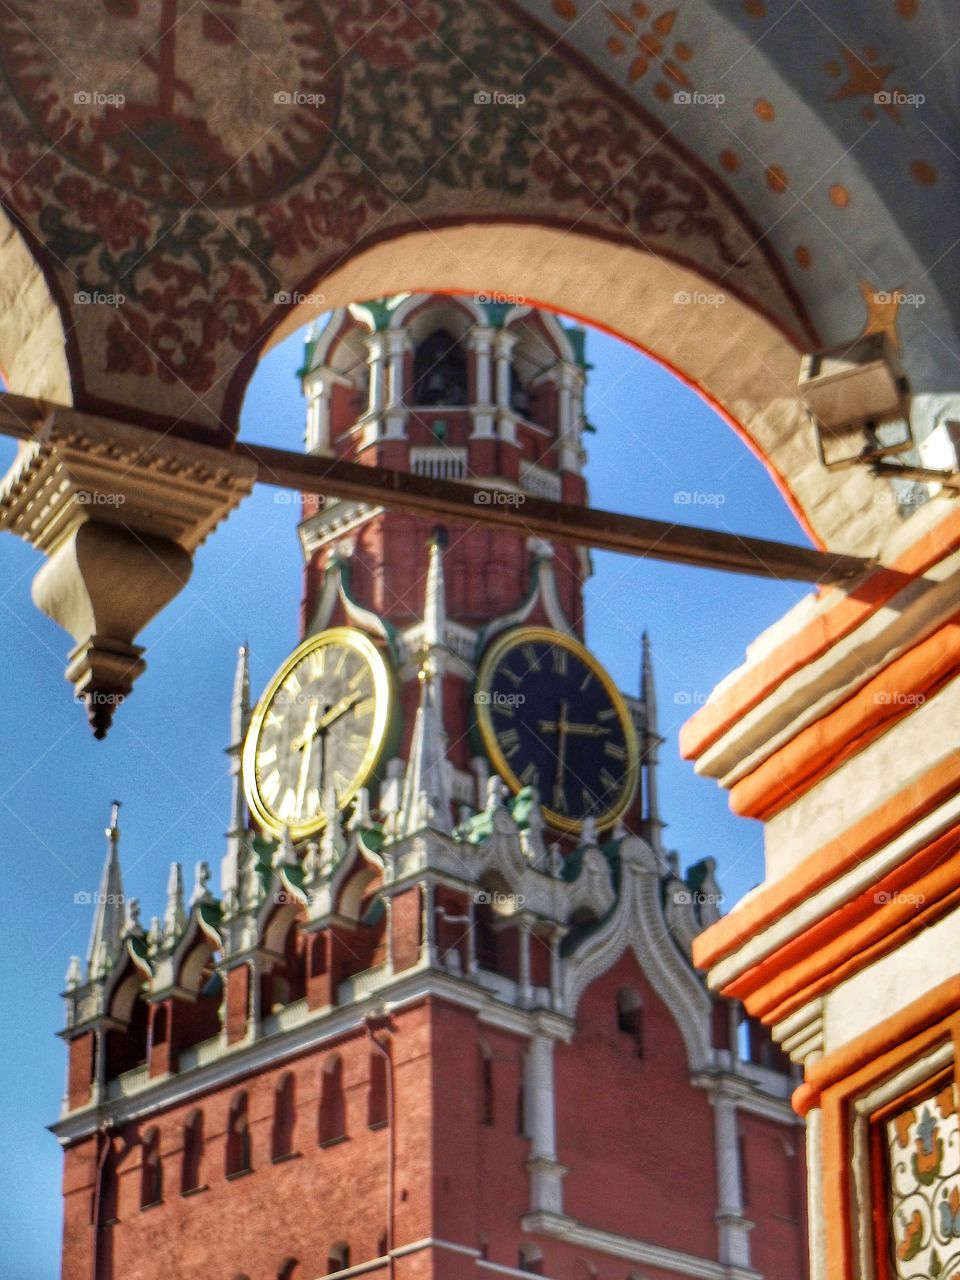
200 157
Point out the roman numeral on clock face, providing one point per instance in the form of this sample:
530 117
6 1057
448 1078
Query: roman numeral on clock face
614 751
530 776
509 740
560 662
271 786
530 657
608 780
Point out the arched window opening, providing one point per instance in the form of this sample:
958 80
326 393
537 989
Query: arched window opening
530 1259
630 1016
522 1109
288 1269
519 395
238 1137
151 1170
382 1244
485 1066
109 1186
126 1048
377 1091
192 1153
439 371
332 1120
284 1117
338 1259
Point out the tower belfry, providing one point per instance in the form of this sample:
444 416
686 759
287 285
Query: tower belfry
443 994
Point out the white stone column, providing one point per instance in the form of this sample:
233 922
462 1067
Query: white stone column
396 415
815 1205
734 1229
255 1011
481 344
524 983
546 1174
556 987
568 423
471 938
376 347
429 927
504 345
506 419
318 417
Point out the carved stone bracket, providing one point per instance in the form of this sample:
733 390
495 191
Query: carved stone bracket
119 511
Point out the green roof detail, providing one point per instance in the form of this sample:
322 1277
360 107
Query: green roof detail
371 839
577 338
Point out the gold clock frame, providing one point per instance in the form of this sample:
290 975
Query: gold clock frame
383 701
488 663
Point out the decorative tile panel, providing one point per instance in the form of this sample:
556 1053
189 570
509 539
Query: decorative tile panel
923 1169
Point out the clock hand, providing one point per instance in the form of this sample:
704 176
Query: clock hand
570 727
304 744
559 791
337 710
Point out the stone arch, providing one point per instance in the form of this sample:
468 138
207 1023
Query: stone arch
741 360
591 164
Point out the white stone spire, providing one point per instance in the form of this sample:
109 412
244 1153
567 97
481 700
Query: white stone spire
174 917
426 800
426 786
239 720
108 913
240 706
435 601
650 743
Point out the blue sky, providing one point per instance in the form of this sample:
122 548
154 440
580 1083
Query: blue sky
164 756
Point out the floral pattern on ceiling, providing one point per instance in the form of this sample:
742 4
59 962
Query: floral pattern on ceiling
192 163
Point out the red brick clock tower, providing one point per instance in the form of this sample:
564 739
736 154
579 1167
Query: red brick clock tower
440 1018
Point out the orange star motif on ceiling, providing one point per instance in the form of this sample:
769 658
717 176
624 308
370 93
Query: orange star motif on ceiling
882 307
863 80
649 37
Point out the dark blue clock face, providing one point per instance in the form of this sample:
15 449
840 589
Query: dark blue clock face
551 721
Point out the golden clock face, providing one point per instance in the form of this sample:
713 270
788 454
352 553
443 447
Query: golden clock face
551 717
321 723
